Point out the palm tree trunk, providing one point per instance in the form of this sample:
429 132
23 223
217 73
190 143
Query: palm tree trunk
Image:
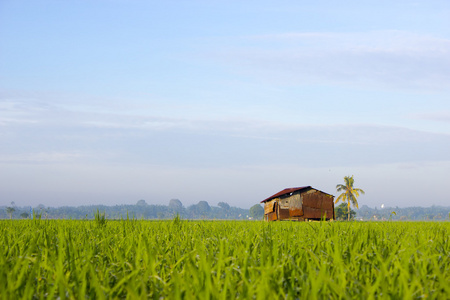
348 215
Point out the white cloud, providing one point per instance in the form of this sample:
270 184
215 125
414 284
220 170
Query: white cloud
393 59
441 116
40 157
6 121
63 132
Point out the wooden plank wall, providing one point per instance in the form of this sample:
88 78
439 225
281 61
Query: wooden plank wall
269 207
317 204
283 214
295 206
272 216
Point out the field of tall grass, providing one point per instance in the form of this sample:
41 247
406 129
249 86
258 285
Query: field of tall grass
103 259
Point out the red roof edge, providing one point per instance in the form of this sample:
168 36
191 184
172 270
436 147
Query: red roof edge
286 191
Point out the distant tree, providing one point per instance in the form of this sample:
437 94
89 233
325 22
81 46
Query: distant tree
225 209
175 205
341 212
203 207
24 215
349 193
224 205
141 203
199 210
10 210
256 212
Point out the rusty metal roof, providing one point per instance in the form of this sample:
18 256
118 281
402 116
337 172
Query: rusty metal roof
286 191
291 190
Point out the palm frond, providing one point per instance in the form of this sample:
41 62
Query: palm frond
339 198
360 191
340 187
354 202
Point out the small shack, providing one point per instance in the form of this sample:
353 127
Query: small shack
299 204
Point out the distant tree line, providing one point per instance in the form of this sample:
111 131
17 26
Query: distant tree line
202 210
365 213
436 213
141 210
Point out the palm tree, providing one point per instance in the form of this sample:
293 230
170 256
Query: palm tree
350 194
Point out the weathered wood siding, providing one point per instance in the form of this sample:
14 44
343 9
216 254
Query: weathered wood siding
295 205
272 216
283 214
269 206
317 205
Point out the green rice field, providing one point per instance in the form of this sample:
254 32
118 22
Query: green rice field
176 259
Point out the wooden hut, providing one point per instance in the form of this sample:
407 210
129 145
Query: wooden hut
299 204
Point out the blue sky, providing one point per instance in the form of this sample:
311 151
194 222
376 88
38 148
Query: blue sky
109 102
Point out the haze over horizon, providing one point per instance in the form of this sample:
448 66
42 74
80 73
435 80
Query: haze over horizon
112 101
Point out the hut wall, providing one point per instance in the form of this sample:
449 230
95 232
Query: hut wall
269 207
312 204
316 205
283 214
296 205
271 210
272 216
